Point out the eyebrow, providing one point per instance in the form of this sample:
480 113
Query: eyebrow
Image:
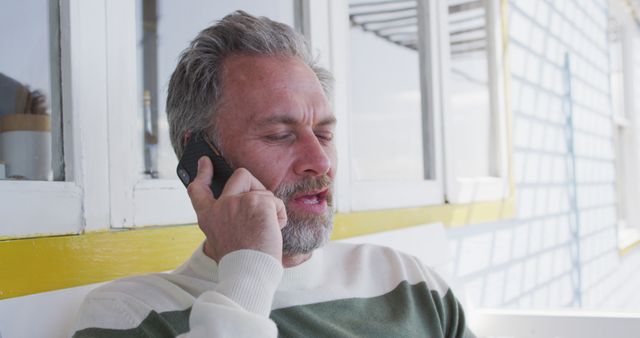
288 120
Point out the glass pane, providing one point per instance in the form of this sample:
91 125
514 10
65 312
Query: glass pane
386 110
470 106
165 29
29 90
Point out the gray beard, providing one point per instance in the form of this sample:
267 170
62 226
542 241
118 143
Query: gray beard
305 233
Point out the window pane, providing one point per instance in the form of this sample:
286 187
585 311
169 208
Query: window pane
386 110
470 106
165 29
29 90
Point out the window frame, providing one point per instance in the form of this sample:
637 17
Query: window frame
99 95
625 122
81 201
375 194
445 187
135 201
460 189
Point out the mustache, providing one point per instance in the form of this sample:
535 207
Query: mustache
286 191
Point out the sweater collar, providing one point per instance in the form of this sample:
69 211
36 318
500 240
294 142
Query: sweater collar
204 267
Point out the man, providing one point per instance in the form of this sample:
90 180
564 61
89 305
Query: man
252 87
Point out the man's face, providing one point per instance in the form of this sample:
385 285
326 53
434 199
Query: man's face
276 122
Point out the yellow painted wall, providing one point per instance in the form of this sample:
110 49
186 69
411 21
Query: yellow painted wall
34 265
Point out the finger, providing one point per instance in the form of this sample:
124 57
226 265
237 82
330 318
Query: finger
280 208
199 190
281 212
240 182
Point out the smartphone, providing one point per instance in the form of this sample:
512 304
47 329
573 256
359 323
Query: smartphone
198 146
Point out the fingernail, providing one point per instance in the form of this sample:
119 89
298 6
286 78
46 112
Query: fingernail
200 162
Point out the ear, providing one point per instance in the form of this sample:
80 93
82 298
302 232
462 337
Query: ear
186 137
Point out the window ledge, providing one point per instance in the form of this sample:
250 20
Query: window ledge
451 215
628 239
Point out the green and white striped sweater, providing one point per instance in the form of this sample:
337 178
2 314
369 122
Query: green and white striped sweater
343 290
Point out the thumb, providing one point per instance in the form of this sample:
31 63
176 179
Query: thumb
199 190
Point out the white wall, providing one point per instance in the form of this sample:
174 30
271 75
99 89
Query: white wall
47 314
561 249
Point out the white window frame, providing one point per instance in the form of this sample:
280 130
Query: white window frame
35 208
385 194
99 95
135 201
360 195
357 195
460 189
628 147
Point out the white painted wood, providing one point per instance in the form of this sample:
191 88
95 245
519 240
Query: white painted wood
48 314
386 194
26 206
627 236
626 125
88 109
499 123
136 201
431 90
476 189
561 324
315 19
162 202
339 56
30 208
461 189
122 109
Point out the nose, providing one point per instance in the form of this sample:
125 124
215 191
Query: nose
313 159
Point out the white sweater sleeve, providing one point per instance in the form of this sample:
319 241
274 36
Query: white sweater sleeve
241 303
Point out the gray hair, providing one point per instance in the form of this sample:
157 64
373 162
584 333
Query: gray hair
195 87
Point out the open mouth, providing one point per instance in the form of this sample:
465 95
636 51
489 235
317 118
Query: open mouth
312 198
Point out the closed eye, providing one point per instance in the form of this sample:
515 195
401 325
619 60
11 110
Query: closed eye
280 137
325 136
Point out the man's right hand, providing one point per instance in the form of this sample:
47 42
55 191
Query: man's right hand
245 216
